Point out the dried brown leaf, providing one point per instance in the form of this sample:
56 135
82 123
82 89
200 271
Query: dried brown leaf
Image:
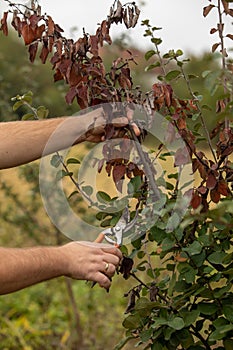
230 36
32 51
211 181
215 46
4 26
225 6
207 9
196 201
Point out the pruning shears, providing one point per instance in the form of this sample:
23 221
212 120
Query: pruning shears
114 235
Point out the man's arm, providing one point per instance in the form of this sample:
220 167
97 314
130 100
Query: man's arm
21 268
24 141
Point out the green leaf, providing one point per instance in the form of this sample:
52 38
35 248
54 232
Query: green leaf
173 222
103 197
101 215
123 342
193 76
28 116
189 317
167 244
134 184
156 41
179 53
177 323
56 160
187 272
146 335
217 257
172 75
73 193
132 322
159 321
17 105
62 173
149 54
185 338
221 332
42 112
72 161
194 248
173 176
228 344
207 308
27 97
88 190
228 311
152 66
157 346
144 306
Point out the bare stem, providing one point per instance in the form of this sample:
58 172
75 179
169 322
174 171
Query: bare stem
223 51
200 113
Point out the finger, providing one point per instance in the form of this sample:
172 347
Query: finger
114 251
103 280
109 269
136 129
130 113
100 238
111 259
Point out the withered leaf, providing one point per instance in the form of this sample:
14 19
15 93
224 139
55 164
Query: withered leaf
215 46
32 51
225 6
27 34
153 292
196 201
223 188
124 78
34 20
44 53
50 26
126 267
202 190
181 157
230 12
82 95
211 181
215 195
118 172
230 36
213 30
131 302
100 165
71 95
94 49
4 26
207 9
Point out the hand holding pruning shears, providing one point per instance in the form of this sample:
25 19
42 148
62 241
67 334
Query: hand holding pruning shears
115 235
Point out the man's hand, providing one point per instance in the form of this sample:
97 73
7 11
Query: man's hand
23 267
95 262
96 130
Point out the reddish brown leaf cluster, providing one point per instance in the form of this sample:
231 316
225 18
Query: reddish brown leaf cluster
215 181
215 175
79 62
118 164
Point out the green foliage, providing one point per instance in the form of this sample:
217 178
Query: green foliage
180 272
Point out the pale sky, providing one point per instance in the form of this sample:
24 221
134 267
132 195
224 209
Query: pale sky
183 25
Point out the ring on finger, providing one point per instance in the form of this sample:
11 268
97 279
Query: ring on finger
106 267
